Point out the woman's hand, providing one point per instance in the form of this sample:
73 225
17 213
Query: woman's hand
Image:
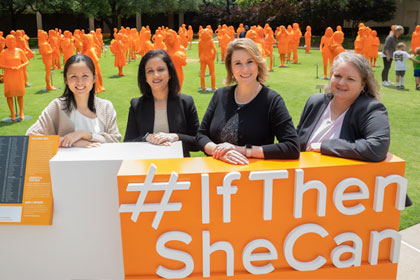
234 157
85 144
222 149
69 139
315 147
161 138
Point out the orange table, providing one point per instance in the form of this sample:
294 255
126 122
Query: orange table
318 217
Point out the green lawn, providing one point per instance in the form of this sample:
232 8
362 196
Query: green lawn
295 83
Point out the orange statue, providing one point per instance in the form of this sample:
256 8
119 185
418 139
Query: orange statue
252 34
177 54
91 52
325 50
183 36
269 41
289 47
240 29
159 44
2 41
77 41
46 53
373 49
283 44
336 44
308 37
117 48
67 44
294 42
13 60
22 44
415 39
190 35
207 53
54 43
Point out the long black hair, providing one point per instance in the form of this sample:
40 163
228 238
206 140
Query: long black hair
68 96
173 84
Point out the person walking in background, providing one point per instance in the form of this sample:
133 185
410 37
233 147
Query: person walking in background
400 56
389 48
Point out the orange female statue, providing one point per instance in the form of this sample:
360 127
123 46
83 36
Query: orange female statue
207 53
336 44
54 43
117 48
91 52
325 50
374 47
21 43
269 41
294 42
190 33
415 39
13 60
308 37
67 44
177 54
283 44
46 53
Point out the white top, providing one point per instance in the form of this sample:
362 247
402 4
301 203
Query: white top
400 58
81 122
326 128
161 121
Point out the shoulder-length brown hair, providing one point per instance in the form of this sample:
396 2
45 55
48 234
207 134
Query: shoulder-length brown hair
252 48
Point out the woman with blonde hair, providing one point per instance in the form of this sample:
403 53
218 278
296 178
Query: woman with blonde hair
242 120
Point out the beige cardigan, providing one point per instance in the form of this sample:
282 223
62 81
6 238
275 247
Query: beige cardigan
54 120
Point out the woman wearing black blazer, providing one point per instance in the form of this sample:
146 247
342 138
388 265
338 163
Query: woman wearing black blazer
348 121
161 115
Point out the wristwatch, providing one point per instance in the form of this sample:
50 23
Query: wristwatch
248 149
144 137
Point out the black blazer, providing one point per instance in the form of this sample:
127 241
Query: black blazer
364 135
262 119
182 120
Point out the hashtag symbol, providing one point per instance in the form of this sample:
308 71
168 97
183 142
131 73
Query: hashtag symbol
147 186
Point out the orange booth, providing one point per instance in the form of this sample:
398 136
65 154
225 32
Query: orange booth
318 217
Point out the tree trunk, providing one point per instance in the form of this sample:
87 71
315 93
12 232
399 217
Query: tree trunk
171 20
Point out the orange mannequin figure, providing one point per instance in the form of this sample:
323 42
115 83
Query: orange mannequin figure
207 53
100 37
368 43
240 29
308 37
77 41
325 50
91 52
336 44
96 43
140 50
190 36
159 44
147 45
117 48
2 45
295 39
223 43
67 44
374 47
133 43
46 53
22 44
53 40
177 54
415 39
358 46
283 44
183 36
12 60
289 47
252 34
339 29
2 41
269 41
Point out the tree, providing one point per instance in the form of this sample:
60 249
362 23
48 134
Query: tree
365 10
14 8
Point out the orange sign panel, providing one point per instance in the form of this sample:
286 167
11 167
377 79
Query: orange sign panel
318 217
25 182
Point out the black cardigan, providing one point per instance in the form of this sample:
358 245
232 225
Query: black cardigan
364 135
260 120
182 120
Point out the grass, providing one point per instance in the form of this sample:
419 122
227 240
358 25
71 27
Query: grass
295 83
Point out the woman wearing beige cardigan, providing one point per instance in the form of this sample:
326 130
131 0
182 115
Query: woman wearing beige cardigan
78 116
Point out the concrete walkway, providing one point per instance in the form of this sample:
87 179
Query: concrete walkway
409 263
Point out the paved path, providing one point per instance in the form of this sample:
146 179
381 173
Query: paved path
409 263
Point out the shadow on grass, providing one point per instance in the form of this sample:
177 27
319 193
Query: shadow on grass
44 91
116 77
